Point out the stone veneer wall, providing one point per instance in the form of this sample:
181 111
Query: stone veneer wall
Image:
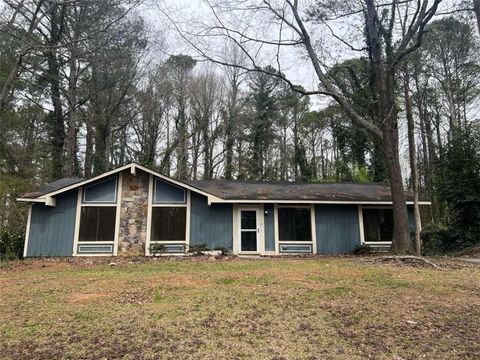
133 215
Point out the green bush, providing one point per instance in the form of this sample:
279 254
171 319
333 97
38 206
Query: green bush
11 244
435 239
361 250
197 249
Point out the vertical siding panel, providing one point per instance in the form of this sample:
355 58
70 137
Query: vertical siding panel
411 218
337 228
52 228
269 228
211 225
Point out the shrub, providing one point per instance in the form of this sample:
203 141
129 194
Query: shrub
11 244
157 249
435 239
458 184
361 250
197 249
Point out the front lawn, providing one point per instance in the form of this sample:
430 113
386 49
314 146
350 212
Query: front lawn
238 309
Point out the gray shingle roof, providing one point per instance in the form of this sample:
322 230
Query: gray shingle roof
53 186
260 190
254 190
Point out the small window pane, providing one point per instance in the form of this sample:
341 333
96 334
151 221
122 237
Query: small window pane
103 191
249 240
249 219
97 223
294 224
168 223
378 224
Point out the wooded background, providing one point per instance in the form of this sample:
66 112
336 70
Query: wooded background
88 85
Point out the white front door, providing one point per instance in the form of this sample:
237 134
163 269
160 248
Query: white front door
249 230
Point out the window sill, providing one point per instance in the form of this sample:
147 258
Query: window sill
377 243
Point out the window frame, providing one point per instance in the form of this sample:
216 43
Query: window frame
183 202
107 202
152 204
116 205
278 242
362 223
168 241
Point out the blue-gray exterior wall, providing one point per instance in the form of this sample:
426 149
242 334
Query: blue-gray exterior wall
210 225
52 227
411 218
269 227
337 228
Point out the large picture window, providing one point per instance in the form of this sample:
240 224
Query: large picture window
97 223
377 224
168 223
294 224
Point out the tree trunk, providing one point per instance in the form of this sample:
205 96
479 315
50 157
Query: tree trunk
100 159
58 127
71 169
88 149
413 165
182 155
401 244
387 111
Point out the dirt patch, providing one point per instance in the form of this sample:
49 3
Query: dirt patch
86 297
134 296
444 263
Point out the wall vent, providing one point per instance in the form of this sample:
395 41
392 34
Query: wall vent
95 249
295 248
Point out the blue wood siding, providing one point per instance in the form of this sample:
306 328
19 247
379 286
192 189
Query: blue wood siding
168 193
52 227
269 228
337 228
103 192
211 225
411 218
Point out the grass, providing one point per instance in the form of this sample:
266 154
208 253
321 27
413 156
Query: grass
327 308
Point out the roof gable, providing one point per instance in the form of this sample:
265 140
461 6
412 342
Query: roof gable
45 193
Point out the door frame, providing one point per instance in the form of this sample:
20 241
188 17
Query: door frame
260 229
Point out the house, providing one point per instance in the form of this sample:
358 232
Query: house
133 210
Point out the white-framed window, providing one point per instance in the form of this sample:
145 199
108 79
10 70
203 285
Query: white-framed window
168 218
97 223
98 218
377 224
169 223
101 192
294 224
295 230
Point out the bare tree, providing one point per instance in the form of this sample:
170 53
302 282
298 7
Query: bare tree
385 46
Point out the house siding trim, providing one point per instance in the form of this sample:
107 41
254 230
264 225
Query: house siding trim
27 231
